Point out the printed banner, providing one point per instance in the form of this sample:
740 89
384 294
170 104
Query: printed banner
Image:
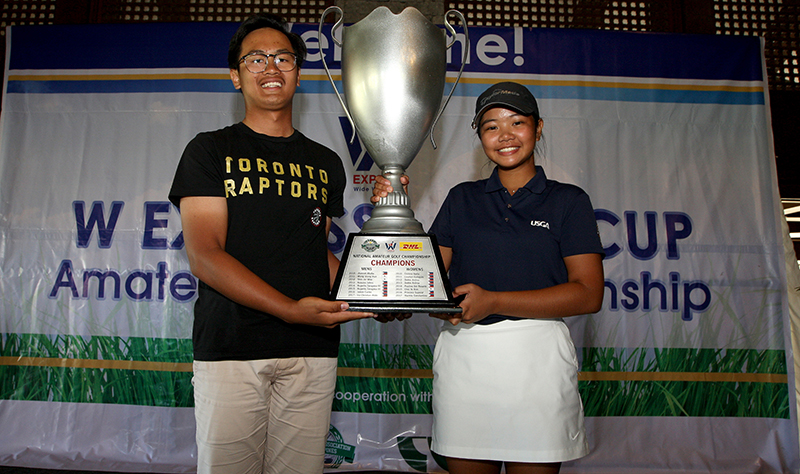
688 366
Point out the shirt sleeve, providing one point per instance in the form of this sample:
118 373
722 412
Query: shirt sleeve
580 234
198 172
442 225
336 202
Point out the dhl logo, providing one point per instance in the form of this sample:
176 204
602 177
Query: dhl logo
410 246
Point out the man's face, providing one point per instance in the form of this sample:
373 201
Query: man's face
271 89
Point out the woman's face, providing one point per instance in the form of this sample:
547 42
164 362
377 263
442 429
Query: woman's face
509 138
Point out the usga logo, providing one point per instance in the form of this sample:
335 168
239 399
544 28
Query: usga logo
410 246
544 224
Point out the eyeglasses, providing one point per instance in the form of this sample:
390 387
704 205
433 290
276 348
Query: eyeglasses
257 62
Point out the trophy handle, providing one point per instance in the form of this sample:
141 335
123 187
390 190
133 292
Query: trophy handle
325 64
464 58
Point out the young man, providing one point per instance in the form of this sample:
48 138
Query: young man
256 201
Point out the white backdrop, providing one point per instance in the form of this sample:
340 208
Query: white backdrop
687 367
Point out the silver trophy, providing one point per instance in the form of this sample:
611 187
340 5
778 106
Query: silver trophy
393 74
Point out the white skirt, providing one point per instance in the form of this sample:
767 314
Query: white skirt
507 392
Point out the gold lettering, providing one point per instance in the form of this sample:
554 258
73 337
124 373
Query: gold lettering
262 165
244 165
263 183
277 167
323 176
228 160
295 170
229 188
312 191
246 186
280 182
296 189
325 195
310 171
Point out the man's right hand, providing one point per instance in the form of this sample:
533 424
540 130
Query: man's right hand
318 312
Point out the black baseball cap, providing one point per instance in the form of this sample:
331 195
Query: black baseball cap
509 95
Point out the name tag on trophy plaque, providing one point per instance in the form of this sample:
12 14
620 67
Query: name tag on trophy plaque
393 76
394 273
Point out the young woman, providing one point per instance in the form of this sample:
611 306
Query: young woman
526 253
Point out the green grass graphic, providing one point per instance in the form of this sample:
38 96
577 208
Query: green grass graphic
32 369
685 397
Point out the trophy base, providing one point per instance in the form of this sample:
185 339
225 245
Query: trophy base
393 273
404 307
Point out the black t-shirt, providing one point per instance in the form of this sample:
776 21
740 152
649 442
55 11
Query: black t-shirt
279 192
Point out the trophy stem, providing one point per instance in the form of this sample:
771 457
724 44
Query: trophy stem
392 214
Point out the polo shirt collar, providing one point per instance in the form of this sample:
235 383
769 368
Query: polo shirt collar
536 185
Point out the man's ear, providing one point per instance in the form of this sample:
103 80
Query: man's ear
235 79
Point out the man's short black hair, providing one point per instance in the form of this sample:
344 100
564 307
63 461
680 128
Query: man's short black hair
256 22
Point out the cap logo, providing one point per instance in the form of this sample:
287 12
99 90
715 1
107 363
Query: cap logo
497 92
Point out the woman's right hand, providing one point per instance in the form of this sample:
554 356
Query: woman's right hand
450 318
382 188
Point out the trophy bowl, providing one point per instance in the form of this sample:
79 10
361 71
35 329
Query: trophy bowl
393 75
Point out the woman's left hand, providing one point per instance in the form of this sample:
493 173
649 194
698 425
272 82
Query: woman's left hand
477 304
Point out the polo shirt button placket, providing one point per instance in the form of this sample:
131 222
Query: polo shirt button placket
508 204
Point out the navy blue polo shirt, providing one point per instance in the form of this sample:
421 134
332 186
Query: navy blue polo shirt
502 242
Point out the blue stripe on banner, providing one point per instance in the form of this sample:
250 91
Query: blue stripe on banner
632 54
121 46
618 93
650 95
145 85
119 86
632 94
566 52
553 63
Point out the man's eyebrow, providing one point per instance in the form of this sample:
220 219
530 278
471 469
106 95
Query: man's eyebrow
261 51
